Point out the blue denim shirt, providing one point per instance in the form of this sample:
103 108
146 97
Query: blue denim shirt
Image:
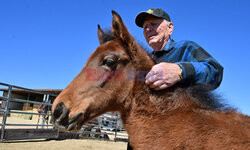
198 67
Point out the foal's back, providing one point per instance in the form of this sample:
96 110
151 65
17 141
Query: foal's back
181 121
212 130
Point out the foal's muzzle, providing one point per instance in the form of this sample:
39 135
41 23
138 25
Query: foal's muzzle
61 119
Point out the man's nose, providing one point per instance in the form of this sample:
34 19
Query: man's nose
147 29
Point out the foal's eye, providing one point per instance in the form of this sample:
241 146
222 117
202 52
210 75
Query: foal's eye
108 62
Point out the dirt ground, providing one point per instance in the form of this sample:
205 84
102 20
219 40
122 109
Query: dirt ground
83 144
71 144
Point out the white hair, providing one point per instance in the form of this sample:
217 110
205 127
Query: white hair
167 22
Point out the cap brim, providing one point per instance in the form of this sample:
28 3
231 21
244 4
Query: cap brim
140 18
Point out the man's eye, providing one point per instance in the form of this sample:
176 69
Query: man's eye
153 24
108 62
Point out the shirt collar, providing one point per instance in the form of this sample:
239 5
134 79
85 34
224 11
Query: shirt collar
167 47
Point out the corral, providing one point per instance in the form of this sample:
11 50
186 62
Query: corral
26 115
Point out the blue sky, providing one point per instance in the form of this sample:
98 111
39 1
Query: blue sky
45 43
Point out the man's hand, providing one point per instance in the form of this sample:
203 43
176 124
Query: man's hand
163 75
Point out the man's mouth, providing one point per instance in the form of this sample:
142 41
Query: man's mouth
151 36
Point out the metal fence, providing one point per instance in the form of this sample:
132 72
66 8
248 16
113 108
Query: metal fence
106 125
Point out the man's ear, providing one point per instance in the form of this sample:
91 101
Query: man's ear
170 28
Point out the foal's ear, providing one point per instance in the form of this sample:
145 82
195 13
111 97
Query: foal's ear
104 37
121 33
101 35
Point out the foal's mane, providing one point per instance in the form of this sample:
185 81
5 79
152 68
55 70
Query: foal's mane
208 99
200 94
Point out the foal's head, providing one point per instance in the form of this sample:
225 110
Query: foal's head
105 81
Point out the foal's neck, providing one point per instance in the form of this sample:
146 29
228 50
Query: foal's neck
146 103
159 102
150 110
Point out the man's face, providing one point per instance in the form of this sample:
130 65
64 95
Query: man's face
156 30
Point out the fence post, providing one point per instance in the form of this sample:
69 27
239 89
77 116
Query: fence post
47 113
44 101
116 120
6 111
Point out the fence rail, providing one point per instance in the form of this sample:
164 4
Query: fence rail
109 124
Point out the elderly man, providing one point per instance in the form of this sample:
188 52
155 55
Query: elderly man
177 62
183 62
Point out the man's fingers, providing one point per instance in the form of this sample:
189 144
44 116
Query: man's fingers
153 76
156 84
150 78
150 74
163 86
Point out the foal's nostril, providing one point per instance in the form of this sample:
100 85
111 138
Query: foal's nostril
58 110
60 114
61 118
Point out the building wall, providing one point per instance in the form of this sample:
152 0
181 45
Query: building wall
24 96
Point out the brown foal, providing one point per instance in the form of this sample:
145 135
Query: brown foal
175 118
